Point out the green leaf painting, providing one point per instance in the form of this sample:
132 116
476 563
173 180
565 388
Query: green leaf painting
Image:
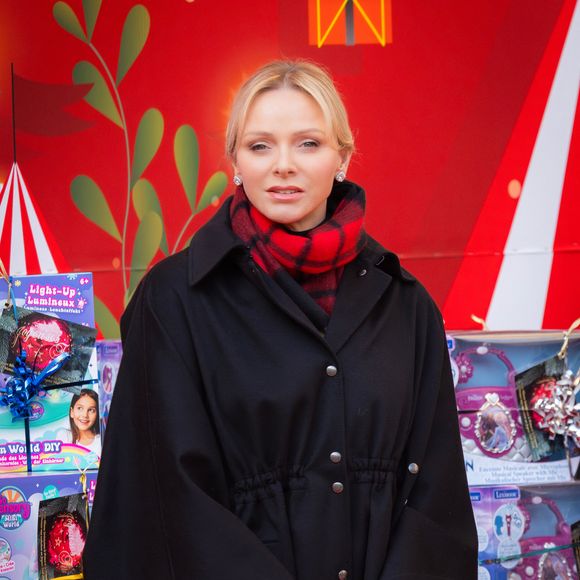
106 322
99 97
186 154
141 147
147 241
213 190
91 202
147 141
145 199
91 10
135 33
68 20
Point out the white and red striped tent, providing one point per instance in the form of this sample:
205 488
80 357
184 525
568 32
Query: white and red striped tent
521 266
26 244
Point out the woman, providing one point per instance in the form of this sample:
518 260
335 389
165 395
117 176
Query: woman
84 420
284 407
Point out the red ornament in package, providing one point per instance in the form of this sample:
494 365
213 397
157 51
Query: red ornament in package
43 338
62 532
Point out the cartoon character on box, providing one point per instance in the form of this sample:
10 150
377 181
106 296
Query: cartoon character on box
489 419
84 421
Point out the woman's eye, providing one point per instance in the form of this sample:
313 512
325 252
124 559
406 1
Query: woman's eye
309 144
257 146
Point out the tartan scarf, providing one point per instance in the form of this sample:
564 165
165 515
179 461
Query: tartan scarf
315 258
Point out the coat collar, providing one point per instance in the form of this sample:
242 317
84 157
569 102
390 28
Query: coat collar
364 282
215 240
211 244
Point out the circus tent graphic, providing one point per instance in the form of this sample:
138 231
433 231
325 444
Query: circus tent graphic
518 267
26 245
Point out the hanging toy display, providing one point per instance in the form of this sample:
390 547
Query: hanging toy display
548 395
62 532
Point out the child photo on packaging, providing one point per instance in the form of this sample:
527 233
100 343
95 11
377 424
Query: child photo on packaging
84 421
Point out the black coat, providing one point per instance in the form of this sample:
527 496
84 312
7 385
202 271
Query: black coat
229 402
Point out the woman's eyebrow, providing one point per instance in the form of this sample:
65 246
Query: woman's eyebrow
269 134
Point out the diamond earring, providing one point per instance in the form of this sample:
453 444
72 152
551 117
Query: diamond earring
237 180
340 176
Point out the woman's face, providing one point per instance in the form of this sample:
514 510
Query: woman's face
84 413
287 158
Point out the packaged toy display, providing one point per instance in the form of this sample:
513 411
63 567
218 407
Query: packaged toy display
109 353
526 532
512 427
49 416
62 533
27 500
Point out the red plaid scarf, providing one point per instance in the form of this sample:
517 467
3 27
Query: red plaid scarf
316 258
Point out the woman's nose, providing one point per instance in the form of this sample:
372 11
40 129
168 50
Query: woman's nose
284 164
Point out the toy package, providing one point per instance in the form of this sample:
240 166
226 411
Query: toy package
21 496
49 408
526 532
66 296
62 532
515 427
109 353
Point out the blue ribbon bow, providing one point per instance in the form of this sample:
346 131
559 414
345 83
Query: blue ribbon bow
19 391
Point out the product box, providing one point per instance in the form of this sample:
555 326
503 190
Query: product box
526 532
109 353
498 378
20 497
64 422
66 296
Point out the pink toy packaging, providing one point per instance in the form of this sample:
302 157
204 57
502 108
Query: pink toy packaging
527 532
508 388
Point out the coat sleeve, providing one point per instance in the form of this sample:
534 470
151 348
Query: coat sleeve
434 534
161 505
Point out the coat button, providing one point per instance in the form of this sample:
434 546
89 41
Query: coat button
413 468
335 457
331 370
363 272
337 487
342 575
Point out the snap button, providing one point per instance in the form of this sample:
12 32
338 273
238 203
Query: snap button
331 370
342 575
413 468
335 457
363 272
337 487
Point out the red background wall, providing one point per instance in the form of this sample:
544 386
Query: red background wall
435 112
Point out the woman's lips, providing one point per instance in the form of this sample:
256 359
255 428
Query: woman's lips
285 193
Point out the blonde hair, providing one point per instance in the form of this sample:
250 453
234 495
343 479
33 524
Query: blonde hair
295 74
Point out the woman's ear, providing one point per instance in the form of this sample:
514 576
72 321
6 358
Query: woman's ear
345 157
